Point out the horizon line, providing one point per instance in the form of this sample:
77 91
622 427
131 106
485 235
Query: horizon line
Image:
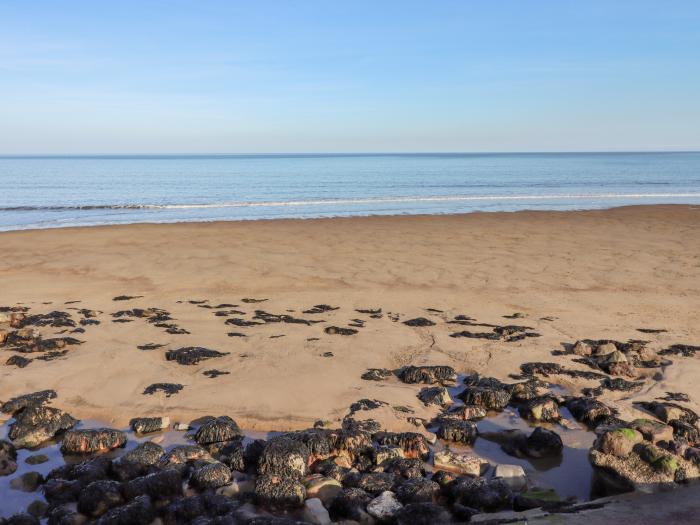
340 153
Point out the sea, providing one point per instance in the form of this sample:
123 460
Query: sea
61 191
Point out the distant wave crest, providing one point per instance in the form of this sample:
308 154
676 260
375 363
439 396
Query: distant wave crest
355 201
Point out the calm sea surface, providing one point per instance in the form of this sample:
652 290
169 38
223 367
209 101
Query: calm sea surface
46 192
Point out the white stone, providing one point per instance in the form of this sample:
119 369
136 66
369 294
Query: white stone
384 507
315 512
513 475
182 427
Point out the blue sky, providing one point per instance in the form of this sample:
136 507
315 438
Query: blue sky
327 76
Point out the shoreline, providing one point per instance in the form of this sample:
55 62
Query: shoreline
346 217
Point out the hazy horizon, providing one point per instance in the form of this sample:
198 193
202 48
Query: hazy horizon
316 77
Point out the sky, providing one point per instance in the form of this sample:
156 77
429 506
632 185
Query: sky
86 77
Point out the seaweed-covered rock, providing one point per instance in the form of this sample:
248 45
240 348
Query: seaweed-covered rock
86 441
279 492
285 457
414 445
618 442
435 395
417 490
145 425
8 458
668 412
138 512
653 431
137 462
18 403
486 495
489 397
168 389
37 423
217 430
687 431
541 409
350 503
457 430
461 464
211 476
191 355
428 374
100 496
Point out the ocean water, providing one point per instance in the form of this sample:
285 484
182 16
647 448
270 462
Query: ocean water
48 192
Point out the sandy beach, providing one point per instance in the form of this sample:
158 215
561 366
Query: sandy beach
568 275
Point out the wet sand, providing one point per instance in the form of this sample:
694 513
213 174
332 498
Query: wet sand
572 275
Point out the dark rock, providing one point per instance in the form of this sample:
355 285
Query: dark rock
349 503
20 519
366 404
18 403
146 425
543 443
417 490
369 426
85 472
435 395
376 374
98 497
588 410
336 330
218 430
320 309
182 454
137 462
159 485
682 350
406 468
62 491
525 391
668 412
8 458
212 374
86 441
621 385
479 493
168 388
126 297
541 409
687 431
427 374
419 321
211 476
37 424
27 482
413 444
371 482
139 512
285 457
36 459
457 430
422 514
279 492
18 361
492 398
192 355
150 346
